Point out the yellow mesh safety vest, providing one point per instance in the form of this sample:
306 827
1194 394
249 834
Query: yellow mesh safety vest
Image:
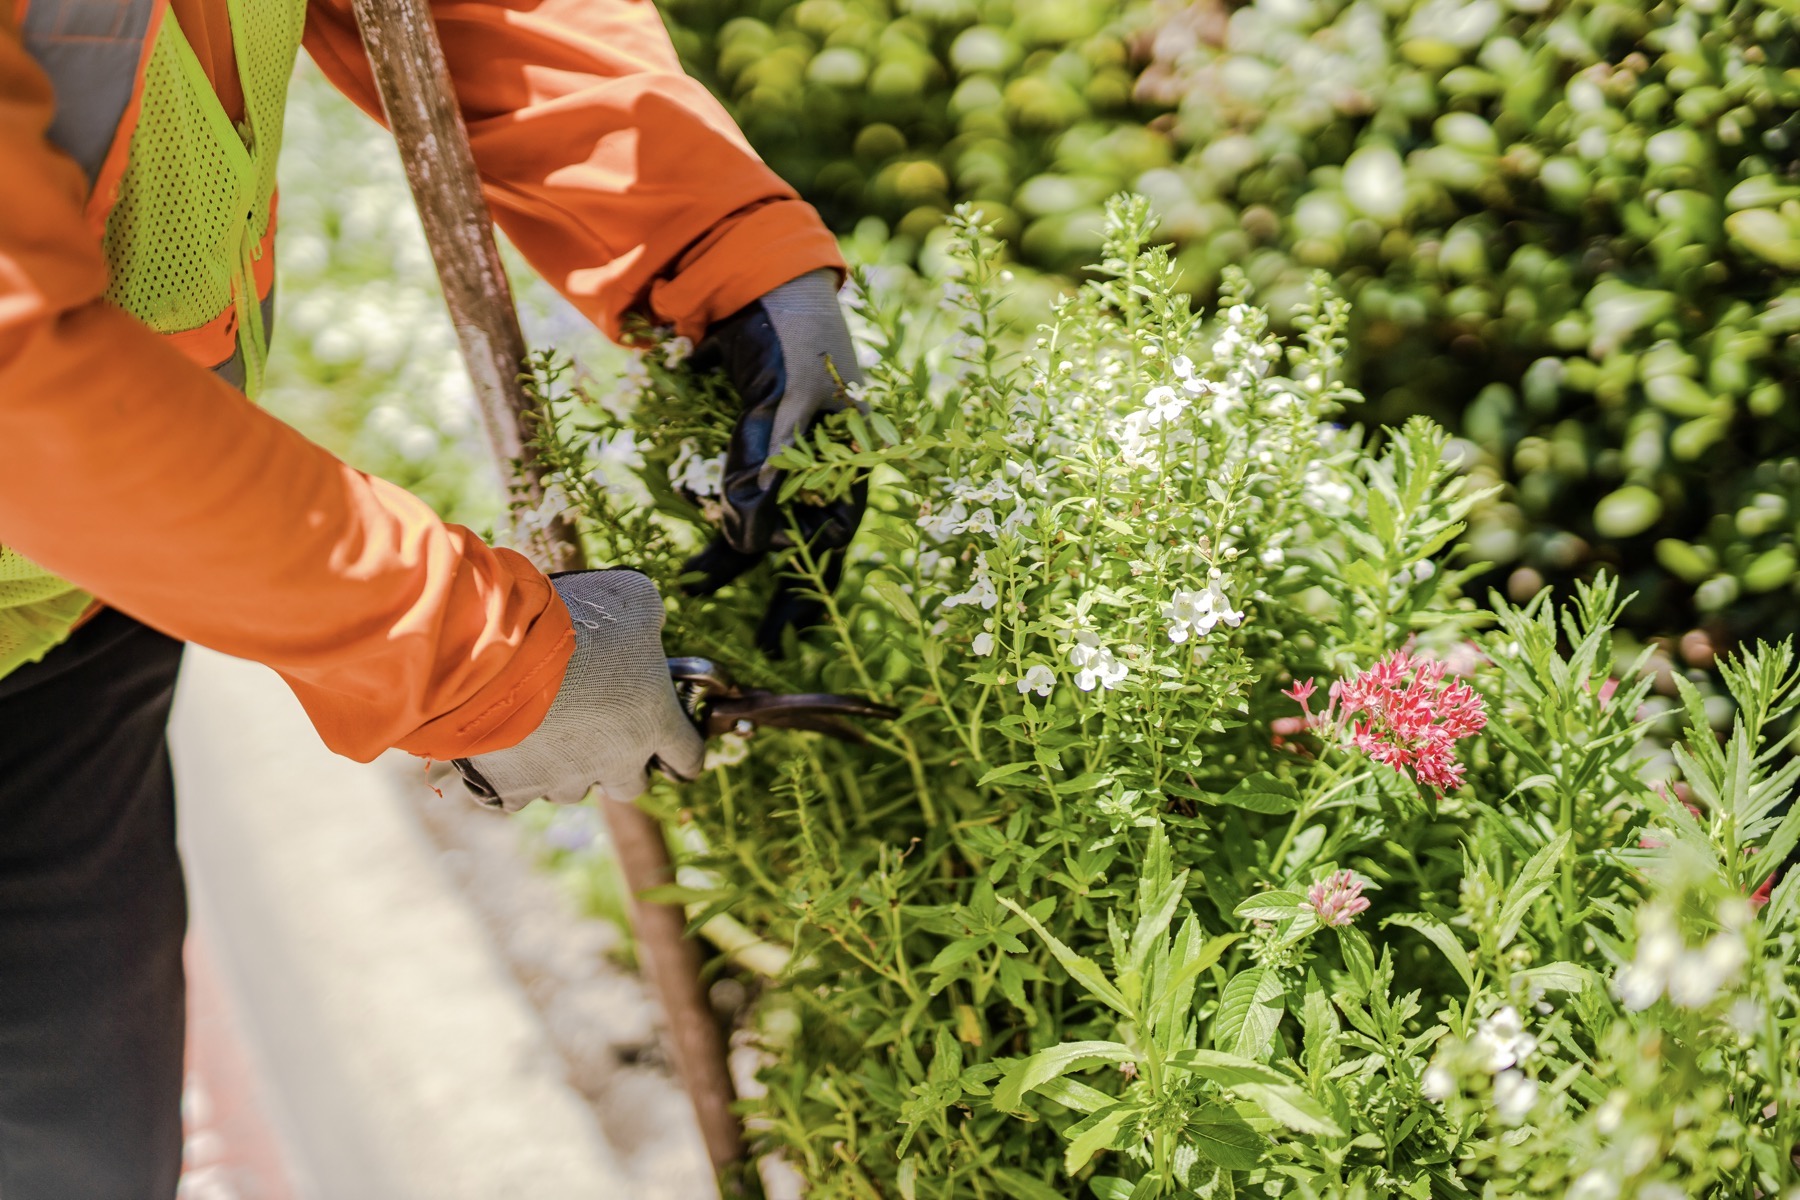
192 208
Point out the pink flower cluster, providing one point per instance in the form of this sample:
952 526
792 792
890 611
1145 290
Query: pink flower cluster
1401 712
1337 898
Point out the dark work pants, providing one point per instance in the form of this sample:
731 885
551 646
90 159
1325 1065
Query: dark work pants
92 914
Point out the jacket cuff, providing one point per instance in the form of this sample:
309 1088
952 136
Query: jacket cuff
743 258
512 705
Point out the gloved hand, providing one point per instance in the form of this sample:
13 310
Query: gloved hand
775 353
616 714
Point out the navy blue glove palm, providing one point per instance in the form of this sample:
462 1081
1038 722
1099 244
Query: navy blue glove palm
786 355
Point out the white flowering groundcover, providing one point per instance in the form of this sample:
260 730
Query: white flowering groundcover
1223 847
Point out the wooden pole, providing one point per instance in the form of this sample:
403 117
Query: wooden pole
420 101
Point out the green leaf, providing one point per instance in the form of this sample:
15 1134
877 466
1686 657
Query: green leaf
1269 906
1005 772
1293 1106
1081 970
677 893
1021 1186
1222 1136
896 599
1092 1134
1249 1010
1533 879
1359 956
1046 1065
1319 1023
1263 793
1559 977
1226 1070
1441 936
1072 1093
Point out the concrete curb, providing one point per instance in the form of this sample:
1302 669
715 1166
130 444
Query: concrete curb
399 1057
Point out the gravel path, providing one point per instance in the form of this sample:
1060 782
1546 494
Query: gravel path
598 1015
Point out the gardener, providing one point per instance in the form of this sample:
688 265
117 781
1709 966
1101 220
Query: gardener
146 502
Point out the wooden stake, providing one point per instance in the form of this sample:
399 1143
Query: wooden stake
420 101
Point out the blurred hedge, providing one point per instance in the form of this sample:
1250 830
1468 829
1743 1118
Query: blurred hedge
898 109
1571 229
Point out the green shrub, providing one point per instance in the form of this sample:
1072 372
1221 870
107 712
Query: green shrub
1571 231
1089 918
898 109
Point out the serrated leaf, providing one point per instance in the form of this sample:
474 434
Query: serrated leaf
1533 879
1081 970
1226 1070
1046 1065
1293 1106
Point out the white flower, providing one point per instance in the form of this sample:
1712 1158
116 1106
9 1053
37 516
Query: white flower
1745 1017
1438 1084
983 645
1514 1095
1095 664
1191 383
1661 1189
728 750
1609 1115
1162 405
942 524
1595 1184
1136 447
1701 974
1501 1040
979 521
676 351
1197 612
1037 679
699 477
1663 963
981 592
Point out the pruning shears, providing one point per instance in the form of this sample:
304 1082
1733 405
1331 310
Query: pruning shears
718 705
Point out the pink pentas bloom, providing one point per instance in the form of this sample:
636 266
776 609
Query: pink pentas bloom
1401 712
1337 898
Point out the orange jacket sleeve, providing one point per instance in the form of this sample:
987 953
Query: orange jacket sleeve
143 479
620 178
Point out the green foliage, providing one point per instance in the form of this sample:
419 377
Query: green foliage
897 109
1570 231
1086 920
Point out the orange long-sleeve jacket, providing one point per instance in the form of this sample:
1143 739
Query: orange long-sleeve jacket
161 490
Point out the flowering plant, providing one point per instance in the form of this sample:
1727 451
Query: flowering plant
1100 915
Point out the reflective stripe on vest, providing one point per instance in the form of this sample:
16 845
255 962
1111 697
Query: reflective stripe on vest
182 200
94 52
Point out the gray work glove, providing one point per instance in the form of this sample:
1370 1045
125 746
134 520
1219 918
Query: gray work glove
616 715
775 352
